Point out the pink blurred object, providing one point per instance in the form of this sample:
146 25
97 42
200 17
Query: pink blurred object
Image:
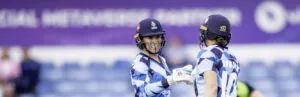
9 70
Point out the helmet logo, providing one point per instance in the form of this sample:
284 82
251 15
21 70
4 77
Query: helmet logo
153 25
136 36
138 27
223 28
206 20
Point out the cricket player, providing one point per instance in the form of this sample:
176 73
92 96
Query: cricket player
217 69
150 75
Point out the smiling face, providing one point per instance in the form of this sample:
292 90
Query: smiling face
153 43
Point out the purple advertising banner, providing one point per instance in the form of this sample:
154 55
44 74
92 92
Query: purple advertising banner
107 22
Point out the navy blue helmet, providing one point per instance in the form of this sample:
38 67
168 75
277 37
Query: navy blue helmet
216 27
148 27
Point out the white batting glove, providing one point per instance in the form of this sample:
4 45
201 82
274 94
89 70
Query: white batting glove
181 75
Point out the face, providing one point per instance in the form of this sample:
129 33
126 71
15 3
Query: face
25 53
5 53
153 43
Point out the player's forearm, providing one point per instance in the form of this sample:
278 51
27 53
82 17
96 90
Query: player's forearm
152 89
211 90
211 87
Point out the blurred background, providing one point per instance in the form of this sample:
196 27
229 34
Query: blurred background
84 48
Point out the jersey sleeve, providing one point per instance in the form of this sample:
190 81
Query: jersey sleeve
206 62
140 81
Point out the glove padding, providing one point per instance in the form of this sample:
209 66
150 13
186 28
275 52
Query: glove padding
181 75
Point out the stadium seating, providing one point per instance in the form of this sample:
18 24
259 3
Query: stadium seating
257 70
97 65
71 66
280 79
282 70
